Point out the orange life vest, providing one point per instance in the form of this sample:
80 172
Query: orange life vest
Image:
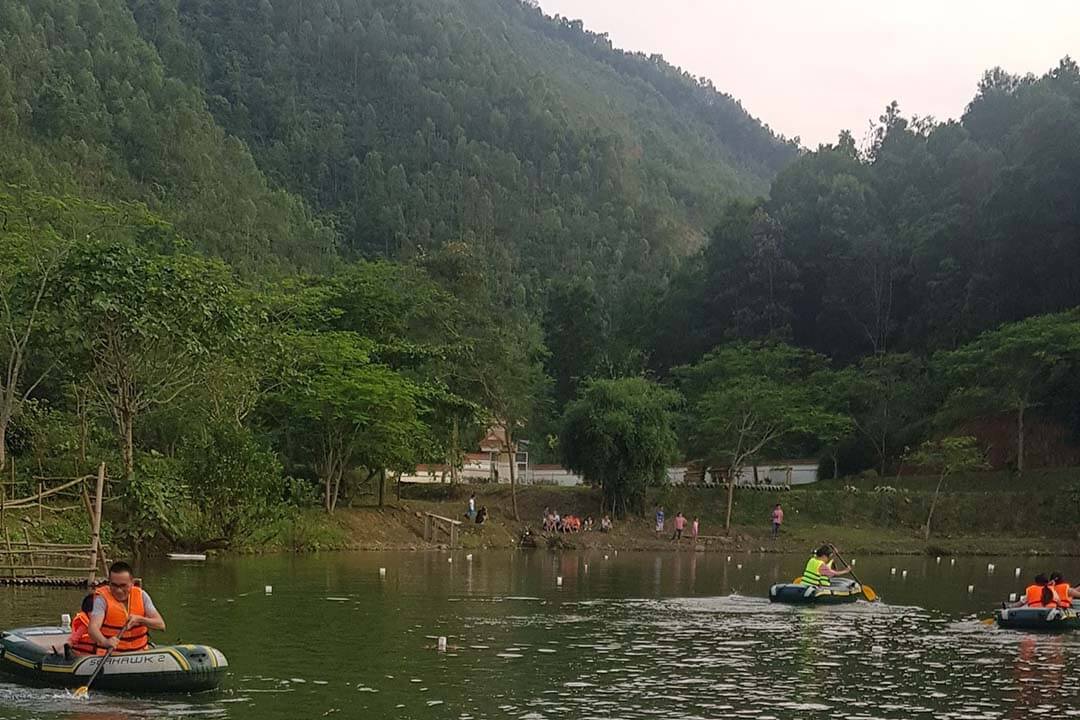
1035 596
1062 592
116 615
80 631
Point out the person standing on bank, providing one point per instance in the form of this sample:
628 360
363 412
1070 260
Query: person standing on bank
777 520
123 614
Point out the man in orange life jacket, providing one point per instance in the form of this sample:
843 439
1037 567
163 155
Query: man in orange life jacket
123 614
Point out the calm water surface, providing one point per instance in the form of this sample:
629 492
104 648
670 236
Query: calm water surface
628 635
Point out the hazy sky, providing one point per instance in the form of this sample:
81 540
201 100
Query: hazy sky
814 68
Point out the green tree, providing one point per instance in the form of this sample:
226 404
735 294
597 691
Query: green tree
1012 369
619 435
949 455
348 410
147 325
749 398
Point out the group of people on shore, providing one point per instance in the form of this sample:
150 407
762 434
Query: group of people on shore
474 515
1048 592
552 521
679 525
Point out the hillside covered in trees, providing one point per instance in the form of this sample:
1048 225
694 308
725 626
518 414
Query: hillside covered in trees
258 256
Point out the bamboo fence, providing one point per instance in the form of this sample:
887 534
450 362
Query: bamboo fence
27 562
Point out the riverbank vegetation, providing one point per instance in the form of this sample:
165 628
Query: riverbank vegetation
259 258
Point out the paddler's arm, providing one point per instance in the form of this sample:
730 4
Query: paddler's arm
95 631
827 571
151 619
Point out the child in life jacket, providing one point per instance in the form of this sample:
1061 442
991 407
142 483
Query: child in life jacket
80 640
1065 592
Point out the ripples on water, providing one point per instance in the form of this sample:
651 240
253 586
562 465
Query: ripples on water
365 649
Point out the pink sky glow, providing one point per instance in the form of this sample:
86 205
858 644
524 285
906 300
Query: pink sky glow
814 68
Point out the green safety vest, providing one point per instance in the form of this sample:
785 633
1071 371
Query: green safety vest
812 574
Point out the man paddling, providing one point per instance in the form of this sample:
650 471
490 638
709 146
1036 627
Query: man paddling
819 568
123 614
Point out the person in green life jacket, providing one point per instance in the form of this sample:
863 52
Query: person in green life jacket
819 568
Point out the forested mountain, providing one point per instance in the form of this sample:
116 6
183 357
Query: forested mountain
932 234
401 125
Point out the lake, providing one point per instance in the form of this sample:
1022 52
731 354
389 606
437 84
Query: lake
627 635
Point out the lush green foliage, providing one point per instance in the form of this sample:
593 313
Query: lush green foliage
619 434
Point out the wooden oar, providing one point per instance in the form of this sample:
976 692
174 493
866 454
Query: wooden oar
867 591
84 691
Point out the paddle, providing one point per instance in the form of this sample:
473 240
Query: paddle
867 591
84 691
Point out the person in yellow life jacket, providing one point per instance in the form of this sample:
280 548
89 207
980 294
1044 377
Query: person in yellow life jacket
123 614
819 568
1065 592
79 640
1040 594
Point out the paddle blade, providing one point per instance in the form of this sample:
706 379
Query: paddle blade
869 593
81 692
988 621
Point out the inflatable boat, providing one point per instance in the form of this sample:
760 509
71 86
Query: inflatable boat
36 656
1038 619
841 590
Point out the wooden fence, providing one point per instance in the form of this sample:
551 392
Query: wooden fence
39 563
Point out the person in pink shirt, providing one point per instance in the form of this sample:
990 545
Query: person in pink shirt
777 520
680 525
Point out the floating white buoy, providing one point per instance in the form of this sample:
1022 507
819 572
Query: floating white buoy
65 622
442 643
558 580
469 557
1012 597
971 588
269 589
756 578
952 562
853 561
903 573
605 557
1017 573
938 559
382 572
729 558
738 566
586 567
892 571
989 567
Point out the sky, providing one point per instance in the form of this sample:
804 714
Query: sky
811 69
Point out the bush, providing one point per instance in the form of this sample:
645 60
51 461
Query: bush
234 482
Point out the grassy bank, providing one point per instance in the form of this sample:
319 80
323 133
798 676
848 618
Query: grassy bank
987 513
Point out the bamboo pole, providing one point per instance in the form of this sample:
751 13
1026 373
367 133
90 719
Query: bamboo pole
64 568
26 536
95 524
7 540
38 551
40 490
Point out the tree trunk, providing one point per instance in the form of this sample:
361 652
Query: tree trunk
730 501
835 466
327 487
382 485
455 453
3 444
398 487
127 441
1020 440
933 504
512 450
